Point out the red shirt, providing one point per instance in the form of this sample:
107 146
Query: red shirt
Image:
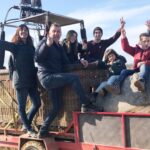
139 54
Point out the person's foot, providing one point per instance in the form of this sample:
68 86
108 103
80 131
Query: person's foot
113 89
140 84
91 108
93 97
24 129
43 134
32 133
101 92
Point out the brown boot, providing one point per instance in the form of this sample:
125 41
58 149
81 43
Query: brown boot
140 84
113 89
101 93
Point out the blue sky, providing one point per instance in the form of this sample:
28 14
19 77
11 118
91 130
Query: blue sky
103 13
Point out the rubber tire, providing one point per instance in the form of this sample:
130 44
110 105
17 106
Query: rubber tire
33 145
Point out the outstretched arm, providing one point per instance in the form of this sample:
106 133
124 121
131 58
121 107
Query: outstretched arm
9 46
125 44
112 39
122 24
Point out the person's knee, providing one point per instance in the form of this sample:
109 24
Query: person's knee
144 65
75 77
36 105
123 72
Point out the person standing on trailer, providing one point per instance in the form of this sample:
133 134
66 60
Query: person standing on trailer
24 74
52 59
72 47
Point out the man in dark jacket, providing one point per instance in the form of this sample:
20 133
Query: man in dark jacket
51 59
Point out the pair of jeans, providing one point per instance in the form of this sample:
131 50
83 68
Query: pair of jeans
22 94
119 79
144 72
54 83
111 80
125 73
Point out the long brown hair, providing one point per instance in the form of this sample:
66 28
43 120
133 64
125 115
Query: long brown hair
68 43
16 38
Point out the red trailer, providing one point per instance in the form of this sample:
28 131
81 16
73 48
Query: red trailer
83 131
92 131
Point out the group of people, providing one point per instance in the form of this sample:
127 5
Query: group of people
117 68
53 57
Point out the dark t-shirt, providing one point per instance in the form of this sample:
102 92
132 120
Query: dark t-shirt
96 50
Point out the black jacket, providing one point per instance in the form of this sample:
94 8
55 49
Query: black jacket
24 74
96 50
73 51
117 66
51 59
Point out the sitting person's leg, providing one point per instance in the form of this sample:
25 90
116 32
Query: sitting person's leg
113 85
116 81
62 79
101 89
143 77
144 72
125 73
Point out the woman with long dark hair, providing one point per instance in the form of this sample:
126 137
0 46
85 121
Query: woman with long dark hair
72 47
24 74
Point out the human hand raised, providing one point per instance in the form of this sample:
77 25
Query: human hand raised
122 24
49 41
147 23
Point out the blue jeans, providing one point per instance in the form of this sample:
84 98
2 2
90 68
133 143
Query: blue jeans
116 79
22 94
111 80
125 73
54 83
144 72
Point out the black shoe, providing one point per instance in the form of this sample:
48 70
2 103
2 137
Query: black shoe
90 108
93 97
43 134
101 92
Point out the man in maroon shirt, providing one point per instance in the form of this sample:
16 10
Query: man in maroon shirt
97 47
